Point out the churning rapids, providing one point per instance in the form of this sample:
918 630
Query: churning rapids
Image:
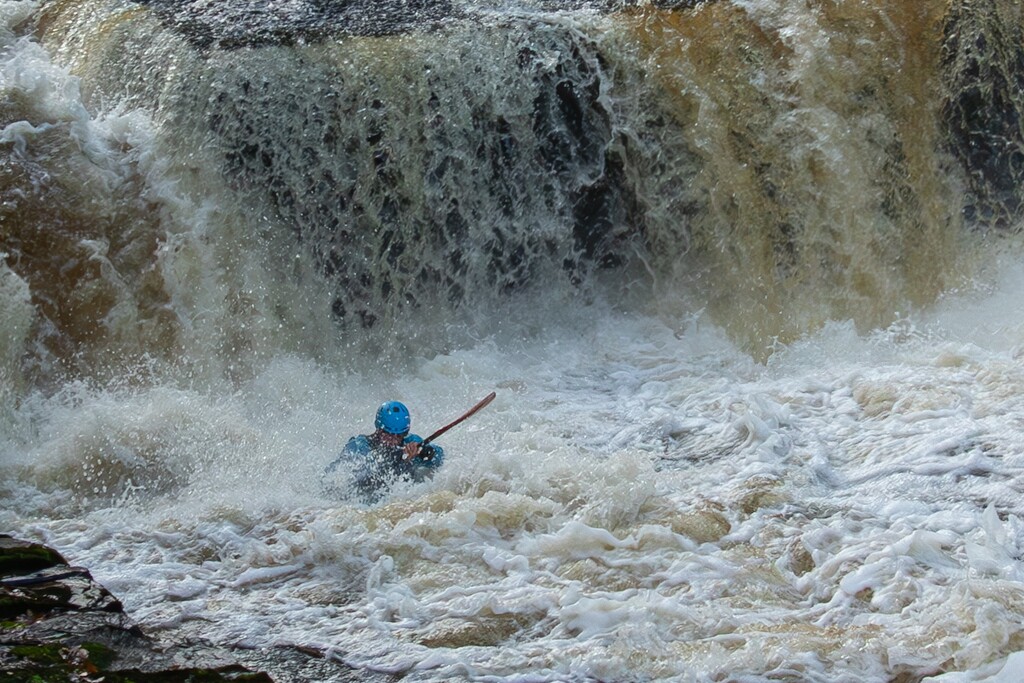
745 275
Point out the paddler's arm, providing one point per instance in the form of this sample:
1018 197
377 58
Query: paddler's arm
429 455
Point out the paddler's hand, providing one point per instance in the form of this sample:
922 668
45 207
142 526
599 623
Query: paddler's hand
412 449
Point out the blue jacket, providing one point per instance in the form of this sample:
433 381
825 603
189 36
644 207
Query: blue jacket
375 466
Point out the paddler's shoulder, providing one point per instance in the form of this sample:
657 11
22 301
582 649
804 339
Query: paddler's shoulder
360 443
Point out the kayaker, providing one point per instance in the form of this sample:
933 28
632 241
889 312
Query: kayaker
390 453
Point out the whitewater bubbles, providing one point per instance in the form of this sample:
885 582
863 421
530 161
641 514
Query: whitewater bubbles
621 507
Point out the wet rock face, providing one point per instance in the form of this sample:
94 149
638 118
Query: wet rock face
57 624
252 23
249 23
983 59
37 581
18 557
410 186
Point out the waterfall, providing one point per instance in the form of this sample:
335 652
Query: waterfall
204 184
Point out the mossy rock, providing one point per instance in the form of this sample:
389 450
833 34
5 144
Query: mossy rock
235 674
39 654
60 662
43 600
20 557
58 625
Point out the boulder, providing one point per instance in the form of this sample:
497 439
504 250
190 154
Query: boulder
58 624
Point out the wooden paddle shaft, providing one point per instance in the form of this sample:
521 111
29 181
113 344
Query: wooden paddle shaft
468 414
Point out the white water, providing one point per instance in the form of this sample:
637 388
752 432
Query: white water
643 501
639 503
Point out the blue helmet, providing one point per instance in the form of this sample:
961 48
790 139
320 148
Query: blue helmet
393 417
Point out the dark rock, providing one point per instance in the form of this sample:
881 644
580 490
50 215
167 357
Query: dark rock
36 580
390 217
244 23
58 624
248 23
983 60
18 557
302 665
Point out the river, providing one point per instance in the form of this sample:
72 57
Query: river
744 275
